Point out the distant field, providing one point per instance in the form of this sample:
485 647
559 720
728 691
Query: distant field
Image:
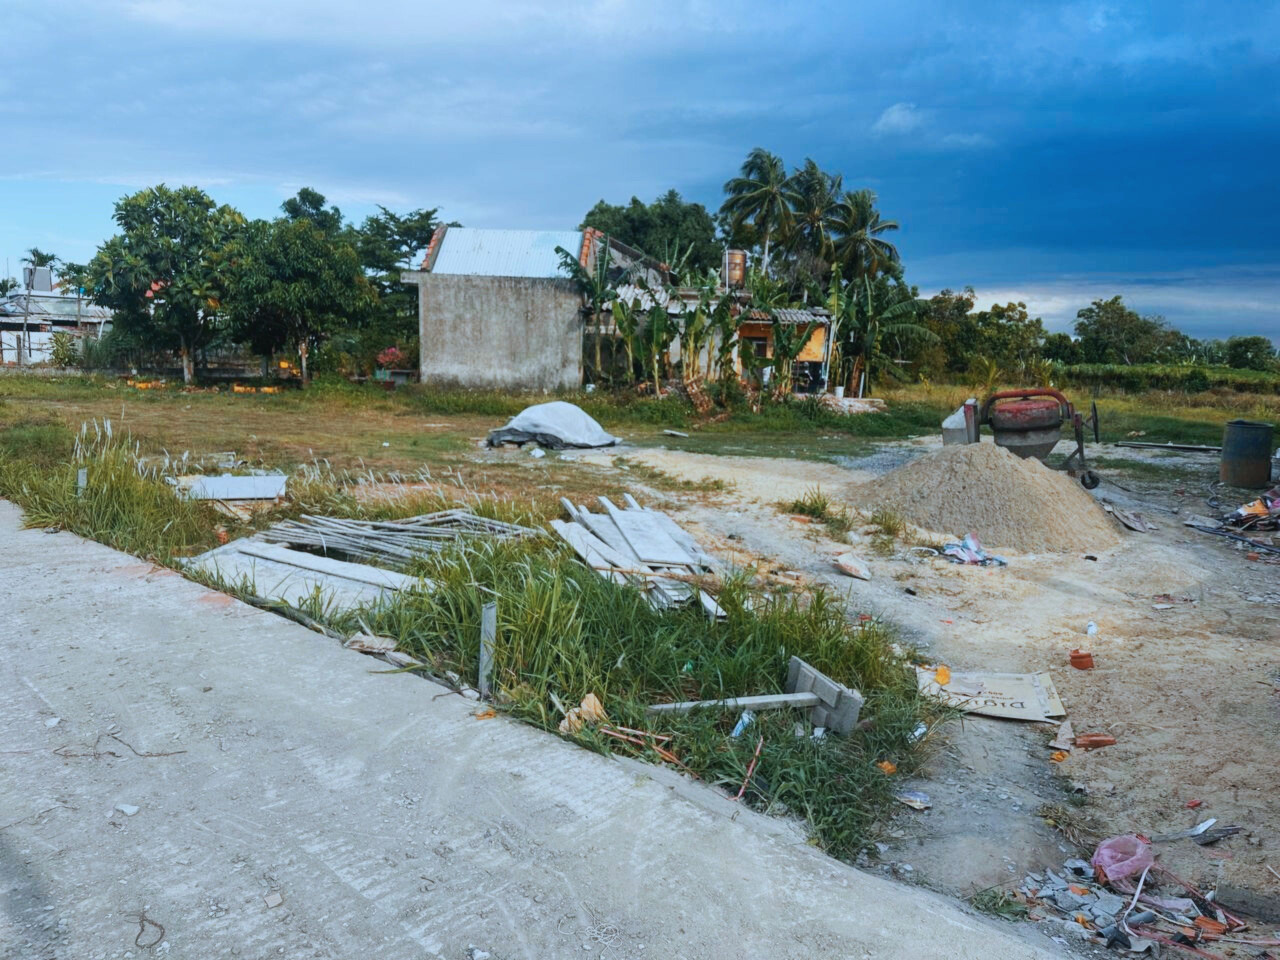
365 427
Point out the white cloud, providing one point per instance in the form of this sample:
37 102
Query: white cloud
899 119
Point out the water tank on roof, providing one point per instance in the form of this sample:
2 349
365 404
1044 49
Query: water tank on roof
38 279
734 274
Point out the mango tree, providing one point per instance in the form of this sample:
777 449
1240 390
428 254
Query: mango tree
295 283
166 274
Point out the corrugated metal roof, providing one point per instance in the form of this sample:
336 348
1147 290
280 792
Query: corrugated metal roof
51 306
790 315
505 253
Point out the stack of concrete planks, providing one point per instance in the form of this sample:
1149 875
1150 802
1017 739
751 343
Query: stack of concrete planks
274 572
641 547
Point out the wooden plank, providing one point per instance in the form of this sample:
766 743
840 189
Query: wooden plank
359 572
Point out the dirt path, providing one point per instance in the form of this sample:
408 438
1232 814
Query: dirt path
1189 686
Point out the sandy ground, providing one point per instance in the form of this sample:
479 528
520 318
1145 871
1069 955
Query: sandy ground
1190 688
184 776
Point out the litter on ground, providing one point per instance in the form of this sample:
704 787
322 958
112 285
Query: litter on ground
1014 696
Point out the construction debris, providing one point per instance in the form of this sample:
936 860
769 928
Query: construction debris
395 542
969 550
854 567
1260 514
1013 696
274 572
1132 915
641 547
831 705
555 426
256 486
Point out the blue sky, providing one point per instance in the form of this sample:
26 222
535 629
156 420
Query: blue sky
1050 152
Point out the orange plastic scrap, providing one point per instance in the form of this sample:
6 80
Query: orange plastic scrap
1210 926
1058 756
888 767
1079 891
943 675
1091 741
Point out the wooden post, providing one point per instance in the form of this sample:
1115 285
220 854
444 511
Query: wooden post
488 637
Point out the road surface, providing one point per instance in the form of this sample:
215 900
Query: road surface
185 776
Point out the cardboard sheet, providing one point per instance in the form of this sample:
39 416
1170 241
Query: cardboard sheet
1014 696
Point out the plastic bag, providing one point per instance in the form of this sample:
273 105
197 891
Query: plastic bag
1122 857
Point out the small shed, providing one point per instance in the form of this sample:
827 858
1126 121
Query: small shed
495 309
756 333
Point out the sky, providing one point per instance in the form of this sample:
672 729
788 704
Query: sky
1038 151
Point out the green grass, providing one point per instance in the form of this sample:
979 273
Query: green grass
122 504
998 902
564 632
814 503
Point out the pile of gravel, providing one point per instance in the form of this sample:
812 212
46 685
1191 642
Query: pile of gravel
1007 502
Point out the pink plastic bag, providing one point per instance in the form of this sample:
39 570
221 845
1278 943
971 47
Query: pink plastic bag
1122 857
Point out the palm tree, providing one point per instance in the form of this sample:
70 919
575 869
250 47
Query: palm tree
38 258
814 198
859 247
758 195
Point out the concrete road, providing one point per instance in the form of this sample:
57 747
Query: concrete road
184 776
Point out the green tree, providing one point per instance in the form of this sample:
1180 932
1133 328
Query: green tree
166 273
1008 335
72 277
1109 332
1250 353
295 283
950 317
666 230
598 292
860 247
758 196
814 197
8 285
875 311
308 204
386 242
38 258
1061 348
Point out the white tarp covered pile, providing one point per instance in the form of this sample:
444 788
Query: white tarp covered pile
554 425
641 547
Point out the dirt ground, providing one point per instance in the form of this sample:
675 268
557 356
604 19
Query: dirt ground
1187 675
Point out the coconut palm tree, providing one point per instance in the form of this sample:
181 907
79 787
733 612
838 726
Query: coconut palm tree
814 198
758 195
859 246
38 258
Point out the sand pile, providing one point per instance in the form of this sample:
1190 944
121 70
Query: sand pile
1009 503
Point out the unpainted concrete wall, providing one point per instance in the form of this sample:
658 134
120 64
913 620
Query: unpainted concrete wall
499 332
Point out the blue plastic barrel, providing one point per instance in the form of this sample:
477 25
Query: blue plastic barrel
1246 454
